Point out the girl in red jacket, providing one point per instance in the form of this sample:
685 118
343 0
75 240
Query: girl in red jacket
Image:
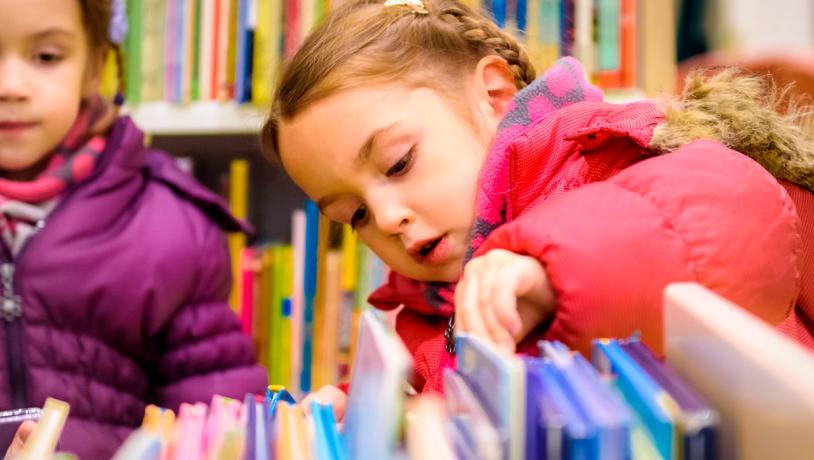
423 127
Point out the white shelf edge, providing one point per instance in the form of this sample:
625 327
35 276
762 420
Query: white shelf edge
197 118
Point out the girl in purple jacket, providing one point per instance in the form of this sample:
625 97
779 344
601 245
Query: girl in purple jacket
114 272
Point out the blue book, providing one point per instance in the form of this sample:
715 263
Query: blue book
498 10
521 17
567 28
601 406
309 291
243 53
655 407
499 383
327 441
697 421
257 441
373 415
556 427
474 434
275 394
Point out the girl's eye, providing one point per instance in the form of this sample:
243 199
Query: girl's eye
359 216
47 58
402 165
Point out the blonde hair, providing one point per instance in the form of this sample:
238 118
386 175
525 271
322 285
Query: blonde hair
365 42
747 113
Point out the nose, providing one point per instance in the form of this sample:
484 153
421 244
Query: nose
392 216
13 87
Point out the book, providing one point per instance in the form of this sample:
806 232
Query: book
756 378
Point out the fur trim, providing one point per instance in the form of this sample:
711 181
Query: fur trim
743 112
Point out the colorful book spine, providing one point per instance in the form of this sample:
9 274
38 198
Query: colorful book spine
238 204
247 273
133 51
297 297
151 68
566 28
629 43
292 27
309 291
206 49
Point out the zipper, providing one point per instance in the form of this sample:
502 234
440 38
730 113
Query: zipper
11 305
12 310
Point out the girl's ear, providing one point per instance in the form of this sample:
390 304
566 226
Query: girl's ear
93 73
494 84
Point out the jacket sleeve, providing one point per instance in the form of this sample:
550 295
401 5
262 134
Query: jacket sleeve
202 349
703 213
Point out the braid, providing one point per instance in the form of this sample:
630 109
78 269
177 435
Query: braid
484 32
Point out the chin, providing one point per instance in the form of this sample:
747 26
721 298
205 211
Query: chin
439 275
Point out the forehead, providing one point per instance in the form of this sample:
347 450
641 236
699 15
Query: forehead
324 139
25 17
42 14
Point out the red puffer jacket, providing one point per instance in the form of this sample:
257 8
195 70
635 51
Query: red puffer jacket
613 224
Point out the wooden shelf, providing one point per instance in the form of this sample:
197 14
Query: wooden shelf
216 118
197 118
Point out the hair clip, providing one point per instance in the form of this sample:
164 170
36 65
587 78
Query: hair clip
416 5
118 23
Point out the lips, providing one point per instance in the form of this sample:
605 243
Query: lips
15 126
430 251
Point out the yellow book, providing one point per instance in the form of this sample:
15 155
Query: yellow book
152 50
317 379
267 50
189 51
43 439
328 349
238 204
286 291
231 50
110 80
349 269
260 316
657 47
292 433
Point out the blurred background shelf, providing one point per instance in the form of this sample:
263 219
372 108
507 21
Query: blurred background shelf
198 118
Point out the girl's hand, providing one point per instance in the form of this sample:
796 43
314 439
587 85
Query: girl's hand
20 437
328 394
501 297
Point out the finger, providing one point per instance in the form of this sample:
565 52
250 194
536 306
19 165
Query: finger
468 309
506 305
508 317
486 301
492 297
26 428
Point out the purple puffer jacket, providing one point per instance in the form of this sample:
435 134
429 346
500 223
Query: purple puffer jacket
123 300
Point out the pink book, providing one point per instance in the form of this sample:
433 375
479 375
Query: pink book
190 431
292 27
247 272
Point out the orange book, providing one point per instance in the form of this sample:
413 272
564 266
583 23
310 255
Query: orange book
629 43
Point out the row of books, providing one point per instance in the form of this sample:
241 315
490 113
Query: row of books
731 387
300 300
190 50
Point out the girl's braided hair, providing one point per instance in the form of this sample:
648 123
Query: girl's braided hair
365 42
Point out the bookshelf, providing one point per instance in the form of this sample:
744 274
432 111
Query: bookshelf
200 118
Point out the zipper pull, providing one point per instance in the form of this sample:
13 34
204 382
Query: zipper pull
11 304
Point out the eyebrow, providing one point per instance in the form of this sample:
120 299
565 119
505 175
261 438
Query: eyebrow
362 156
55 31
